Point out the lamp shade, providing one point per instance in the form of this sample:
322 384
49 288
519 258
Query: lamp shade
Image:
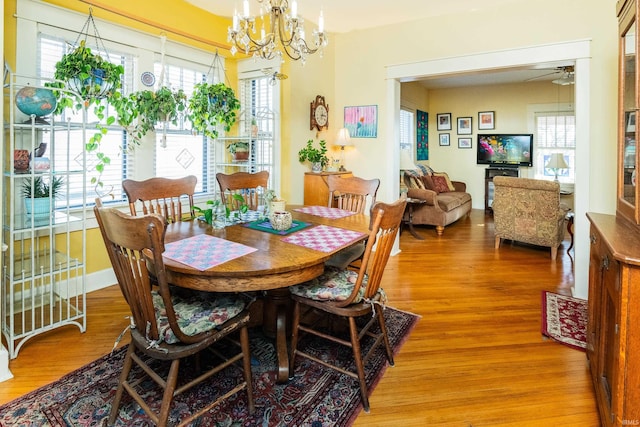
557 162
343 138
406 160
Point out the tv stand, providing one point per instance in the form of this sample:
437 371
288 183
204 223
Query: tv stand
489 173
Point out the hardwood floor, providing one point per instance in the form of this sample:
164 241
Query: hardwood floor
476 357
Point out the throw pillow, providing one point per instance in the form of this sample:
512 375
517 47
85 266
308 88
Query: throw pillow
446 177
428 182
440 184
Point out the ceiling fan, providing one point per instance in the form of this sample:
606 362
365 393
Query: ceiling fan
566 78
275 75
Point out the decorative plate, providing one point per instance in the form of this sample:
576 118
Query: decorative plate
148 79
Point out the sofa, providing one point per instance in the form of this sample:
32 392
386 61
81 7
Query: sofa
446 201
529 211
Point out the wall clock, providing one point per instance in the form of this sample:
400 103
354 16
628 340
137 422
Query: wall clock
319 114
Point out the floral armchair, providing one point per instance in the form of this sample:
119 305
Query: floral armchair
529 211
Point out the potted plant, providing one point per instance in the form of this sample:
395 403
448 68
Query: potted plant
211 105
239 150
316 156
39 195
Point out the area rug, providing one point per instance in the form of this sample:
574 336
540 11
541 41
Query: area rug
315 397
564 319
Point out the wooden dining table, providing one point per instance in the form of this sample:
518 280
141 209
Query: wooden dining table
274 266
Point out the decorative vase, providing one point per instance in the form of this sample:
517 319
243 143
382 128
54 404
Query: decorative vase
277 206
21 160
316 167
281 221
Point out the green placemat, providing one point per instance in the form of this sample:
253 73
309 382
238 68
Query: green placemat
265 225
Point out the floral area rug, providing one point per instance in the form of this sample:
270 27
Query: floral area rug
564 319
316 396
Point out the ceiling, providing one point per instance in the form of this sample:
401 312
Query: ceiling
342 16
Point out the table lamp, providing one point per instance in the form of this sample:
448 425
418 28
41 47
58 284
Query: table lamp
343 139
406 160
555 163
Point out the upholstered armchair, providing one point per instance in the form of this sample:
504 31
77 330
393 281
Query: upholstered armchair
446 201
529 211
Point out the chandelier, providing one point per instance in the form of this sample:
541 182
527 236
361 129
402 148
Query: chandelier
282 30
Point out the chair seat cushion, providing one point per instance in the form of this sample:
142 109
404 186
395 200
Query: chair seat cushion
196 313
334 284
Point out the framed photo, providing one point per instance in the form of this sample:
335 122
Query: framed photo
464 142
445 139
486 120
362 121
444 121
464 125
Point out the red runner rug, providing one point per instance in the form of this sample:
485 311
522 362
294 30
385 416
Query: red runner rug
564 319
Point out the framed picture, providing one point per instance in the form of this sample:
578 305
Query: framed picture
464 142
444 139
362 121
444 121
486 120
464 125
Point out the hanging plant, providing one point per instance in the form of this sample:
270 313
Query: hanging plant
212 105
152 107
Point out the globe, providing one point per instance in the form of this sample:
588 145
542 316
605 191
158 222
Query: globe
37 101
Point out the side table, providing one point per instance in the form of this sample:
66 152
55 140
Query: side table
407 219
569 218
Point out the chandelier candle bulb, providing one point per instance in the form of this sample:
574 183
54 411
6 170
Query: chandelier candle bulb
294 9
321 22
245 8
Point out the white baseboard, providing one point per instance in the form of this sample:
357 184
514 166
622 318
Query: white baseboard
100 279
5 373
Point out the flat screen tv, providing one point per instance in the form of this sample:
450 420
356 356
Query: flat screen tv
505 149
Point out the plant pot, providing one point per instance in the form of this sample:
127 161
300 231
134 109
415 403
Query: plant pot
40 208
277 206
316 167
241 156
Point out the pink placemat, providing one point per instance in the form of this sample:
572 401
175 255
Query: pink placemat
323 238
325 211
203 251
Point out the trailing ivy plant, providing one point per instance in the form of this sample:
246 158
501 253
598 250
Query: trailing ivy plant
211 105
161 106
88 80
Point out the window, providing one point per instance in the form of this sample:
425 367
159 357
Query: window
555 132
407 131
171 152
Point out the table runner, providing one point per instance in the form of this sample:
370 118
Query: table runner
265 225
203 251
323 238
325 211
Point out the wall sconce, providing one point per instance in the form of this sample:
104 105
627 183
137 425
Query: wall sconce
342 140
555 163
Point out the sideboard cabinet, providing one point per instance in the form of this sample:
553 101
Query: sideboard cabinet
613 327
316 187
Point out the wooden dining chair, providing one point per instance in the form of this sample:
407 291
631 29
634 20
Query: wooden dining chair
352 194
244 184
163 325
348 294
170 198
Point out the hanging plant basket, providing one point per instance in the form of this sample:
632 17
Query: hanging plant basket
153 107
86 73
212 105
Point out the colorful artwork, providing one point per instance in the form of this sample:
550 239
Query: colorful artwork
422 135
362 122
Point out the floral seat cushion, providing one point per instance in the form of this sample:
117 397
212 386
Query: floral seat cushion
335 284
196 314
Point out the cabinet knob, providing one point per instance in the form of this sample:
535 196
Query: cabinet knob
592 238
605 262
